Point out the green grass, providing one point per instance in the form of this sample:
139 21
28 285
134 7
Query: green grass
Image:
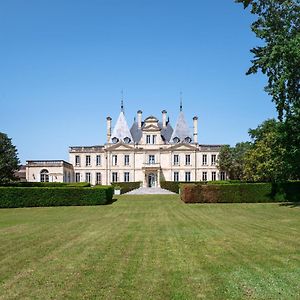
151 247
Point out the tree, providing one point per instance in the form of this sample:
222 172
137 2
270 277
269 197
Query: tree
267 159
232 160
9 161
278 25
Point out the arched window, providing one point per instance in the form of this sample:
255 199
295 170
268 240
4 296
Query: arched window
176 140
127 140
115 140
44 175
188 139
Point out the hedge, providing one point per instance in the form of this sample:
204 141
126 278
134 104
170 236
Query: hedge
54 196
46 184
242 192
127 186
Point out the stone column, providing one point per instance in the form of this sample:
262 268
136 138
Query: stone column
158 178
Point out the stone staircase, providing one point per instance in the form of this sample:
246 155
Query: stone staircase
149 191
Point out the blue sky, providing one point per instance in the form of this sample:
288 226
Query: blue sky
63 64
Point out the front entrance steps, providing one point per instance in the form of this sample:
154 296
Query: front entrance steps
149 191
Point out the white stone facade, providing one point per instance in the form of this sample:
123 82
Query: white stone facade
149 152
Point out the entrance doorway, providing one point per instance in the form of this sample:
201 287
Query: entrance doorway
151 180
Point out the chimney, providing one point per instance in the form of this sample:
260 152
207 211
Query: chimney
164 118
108 125
139 118
195 125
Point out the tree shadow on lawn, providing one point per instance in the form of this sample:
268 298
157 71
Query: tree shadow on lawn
290 204
111 201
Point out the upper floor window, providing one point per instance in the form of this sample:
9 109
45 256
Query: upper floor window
126 160
213 176
77 160
151 159
88 160
176 159
148 139
44 176
176 176
114 160
204 159
188 159
187 176
98 160
213 159
153 139
126 177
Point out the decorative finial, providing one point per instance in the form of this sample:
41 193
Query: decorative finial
122 101
180 101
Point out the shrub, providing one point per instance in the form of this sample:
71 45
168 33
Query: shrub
242 192
126 186
174 186
53 196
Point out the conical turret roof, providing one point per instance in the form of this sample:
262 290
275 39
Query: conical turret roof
182 132
121 131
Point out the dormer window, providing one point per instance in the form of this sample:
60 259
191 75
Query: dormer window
115 140
127 140
176 140
187 139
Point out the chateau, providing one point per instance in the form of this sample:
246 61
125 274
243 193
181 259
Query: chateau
148 152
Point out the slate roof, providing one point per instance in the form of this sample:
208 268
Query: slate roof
182 129
121 129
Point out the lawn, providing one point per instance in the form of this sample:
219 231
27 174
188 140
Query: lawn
151 247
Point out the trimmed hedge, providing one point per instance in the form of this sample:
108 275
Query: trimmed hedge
54 196
46 184
127 186
241 193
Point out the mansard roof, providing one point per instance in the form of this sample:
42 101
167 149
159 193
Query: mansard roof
182 130
136 132
121 129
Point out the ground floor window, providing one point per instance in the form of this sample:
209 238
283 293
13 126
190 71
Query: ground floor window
213 176
98 178
126 177
222 176
44 176
187 176
77 177
114 177
204 176
88 177
176 176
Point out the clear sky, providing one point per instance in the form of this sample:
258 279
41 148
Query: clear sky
63 64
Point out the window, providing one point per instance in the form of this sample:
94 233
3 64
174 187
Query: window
77 177
187 139
98 178
98 160
88 160
151 159
126 160
204 159
127 140
114 160
115 140
213 159
88 177
222 175
204 176
148 139
114 177
213 176
176 140
153 139
188 159
176 159
187 176
126 177
77 161
44 176
176 176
